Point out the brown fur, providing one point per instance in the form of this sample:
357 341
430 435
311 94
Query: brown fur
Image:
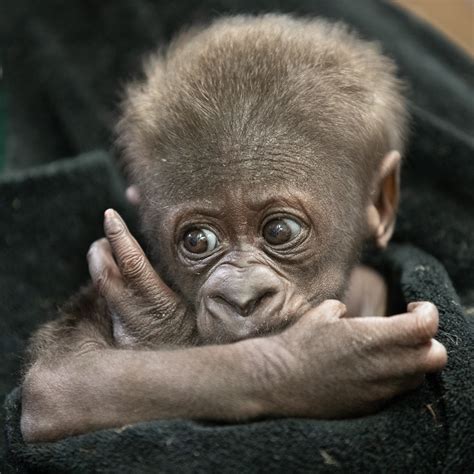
252 97
259 93
83 323
260 97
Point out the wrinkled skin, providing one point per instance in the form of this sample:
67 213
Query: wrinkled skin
355 371
214 321
242 284
314 361
361 361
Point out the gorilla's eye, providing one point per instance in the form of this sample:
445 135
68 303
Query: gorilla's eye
200 241
280 231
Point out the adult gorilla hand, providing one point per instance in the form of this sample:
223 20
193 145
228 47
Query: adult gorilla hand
145 311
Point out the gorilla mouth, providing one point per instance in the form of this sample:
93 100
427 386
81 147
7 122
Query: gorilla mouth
218 322
227 321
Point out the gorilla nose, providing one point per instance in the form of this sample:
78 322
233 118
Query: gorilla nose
241 301
245 291
245 303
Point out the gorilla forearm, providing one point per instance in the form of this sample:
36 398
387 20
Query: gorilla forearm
112 387
78 379
322 367
83 378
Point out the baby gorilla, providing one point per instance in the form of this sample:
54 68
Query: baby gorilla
266 152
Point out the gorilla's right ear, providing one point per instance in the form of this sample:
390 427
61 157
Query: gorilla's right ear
133 195
382 210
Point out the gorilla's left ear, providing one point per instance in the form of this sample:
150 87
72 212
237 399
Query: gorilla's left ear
133 195
383 205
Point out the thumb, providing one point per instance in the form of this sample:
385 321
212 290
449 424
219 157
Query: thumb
328 311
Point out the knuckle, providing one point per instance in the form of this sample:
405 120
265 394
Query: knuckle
365 340
328 311
115 236
133 264
426 324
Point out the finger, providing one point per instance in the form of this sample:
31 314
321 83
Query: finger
131 260
393 364
427 358
104 271
417 327
424 321
434 356
328 311
133 263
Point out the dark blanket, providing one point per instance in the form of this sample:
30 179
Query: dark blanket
64 63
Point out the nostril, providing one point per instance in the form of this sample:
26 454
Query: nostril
236 307
245 307
261 299
220 299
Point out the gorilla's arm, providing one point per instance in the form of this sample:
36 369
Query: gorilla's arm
323 366
308 370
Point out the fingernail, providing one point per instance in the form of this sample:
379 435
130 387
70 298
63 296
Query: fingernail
421 307
414 305
114 224
109 213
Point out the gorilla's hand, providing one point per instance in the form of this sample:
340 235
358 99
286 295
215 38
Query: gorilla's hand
144 310
328 366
